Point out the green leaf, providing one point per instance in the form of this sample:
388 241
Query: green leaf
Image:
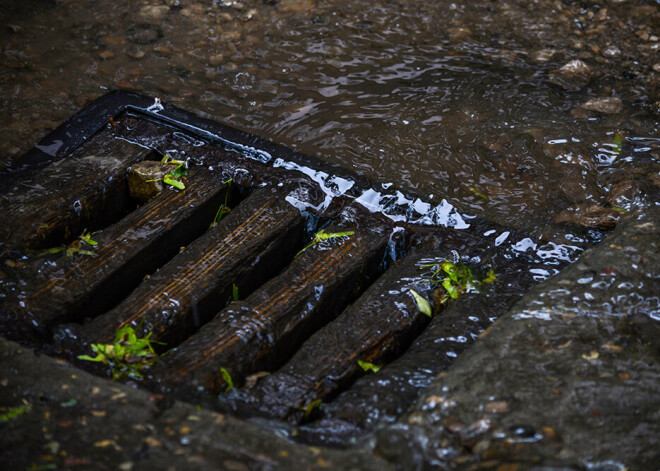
618 143
69 403
620 210
366 366
55 250
422 304
14 412
322 235
75 250
224 208
87 238
475 191
450 288
234 292
179 172
227 379
127 355
99 358
173 182
490 276
311 406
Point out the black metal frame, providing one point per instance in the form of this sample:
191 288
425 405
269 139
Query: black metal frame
95 115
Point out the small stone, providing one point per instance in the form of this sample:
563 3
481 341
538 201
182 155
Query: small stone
497 407
481 446
143 34
572 76
106 55
163 50
459 33
656 67
297 6
543 55
154 13
611 52
606 105
135 53
216 60
139 175
590 216
623 192
581 113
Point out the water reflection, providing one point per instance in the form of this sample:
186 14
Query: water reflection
444 99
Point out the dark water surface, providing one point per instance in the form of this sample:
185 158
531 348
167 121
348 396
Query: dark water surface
451 100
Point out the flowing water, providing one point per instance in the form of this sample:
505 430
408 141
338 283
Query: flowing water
451 100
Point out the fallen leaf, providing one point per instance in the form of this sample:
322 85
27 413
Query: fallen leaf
590 356
564 345
104 443
613 348
151 441
497 407
422 304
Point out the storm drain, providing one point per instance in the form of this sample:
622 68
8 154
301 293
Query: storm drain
268 279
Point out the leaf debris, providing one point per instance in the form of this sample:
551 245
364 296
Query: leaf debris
128 355
321 235
366 366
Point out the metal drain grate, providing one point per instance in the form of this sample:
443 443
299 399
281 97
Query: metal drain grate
306 313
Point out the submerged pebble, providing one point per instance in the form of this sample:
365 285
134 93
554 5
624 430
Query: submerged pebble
590 215
607 105
573 76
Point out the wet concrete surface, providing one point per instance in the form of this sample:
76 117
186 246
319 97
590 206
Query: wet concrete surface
79 421
567 379
570 377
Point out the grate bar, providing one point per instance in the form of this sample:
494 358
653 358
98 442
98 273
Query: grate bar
250 245
86 190
79 286
375 329
264 330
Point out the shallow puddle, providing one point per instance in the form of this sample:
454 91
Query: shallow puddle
450 100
